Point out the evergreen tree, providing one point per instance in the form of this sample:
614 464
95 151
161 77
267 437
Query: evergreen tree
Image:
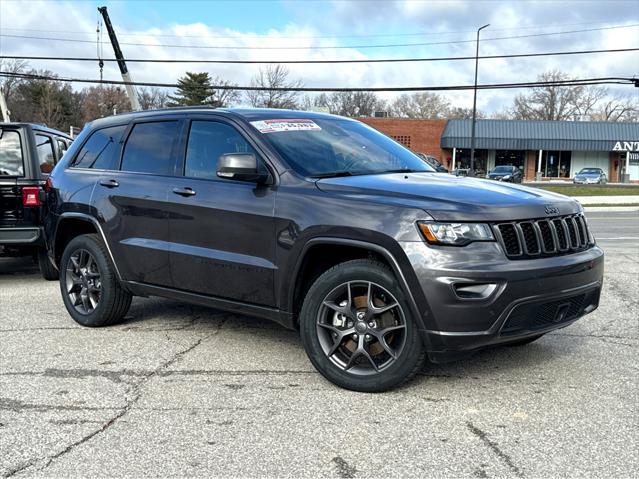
193 89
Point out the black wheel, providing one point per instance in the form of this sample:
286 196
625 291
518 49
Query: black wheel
90 289
48 271
523 342
357 329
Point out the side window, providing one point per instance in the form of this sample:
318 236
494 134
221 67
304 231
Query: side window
45 153
208 140
62 147
148 149
99 150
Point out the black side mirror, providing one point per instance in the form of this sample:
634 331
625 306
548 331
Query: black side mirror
240 166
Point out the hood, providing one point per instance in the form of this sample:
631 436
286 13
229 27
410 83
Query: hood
451 198
587 175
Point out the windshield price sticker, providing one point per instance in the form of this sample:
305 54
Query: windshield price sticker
276 126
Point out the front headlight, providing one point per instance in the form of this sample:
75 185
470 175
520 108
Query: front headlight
507 177
455 234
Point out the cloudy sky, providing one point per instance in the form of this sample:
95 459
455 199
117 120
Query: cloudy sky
346 29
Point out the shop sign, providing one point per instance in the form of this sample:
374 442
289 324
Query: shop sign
626 146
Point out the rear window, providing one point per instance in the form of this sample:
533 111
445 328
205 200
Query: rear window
99 150
149 148
11 163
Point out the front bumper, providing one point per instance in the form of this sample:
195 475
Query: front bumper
530 297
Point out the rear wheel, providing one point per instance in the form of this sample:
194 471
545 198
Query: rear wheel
90 289
48 271
357 328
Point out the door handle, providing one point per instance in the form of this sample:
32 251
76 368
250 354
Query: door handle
110 183
184 191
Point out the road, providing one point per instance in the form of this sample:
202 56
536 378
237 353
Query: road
187 391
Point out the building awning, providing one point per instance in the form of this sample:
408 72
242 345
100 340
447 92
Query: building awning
539 135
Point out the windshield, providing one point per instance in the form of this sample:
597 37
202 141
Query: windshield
333 147
10 154
590 171
503 169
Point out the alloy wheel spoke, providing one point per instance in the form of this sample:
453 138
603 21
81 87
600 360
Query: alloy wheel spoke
390 329
382 341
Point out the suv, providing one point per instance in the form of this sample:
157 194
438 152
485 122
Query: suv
320 223
28 153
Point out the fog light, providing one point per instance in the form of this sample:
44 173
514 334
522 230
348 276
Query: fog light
474 291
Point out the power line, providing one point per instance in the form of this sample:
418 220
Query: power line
308 37
392 45
372 60
558 83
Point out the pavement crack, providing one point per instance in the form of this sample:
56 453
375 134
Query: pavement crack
122 412
493 446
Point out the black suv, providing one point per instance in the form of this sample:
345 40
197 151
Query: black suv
28 153
319 223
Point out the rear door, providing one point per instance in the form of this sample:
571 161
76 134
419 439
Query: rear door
222 232
132 201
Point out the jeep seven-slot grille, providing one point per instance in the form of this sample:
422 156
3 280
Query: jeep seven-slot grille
543 237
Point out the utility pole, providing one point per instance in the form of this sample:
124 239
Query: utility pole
3 107
130 89
471 172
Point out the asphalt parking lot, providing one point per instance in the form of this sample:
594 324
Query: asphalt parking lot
179 390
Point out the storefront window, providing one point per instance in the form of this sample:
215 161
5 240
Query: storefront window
462 160
511 158
556 164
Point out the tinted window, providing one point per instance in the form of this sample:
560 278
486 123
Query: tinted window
148 149
207 142
321 147
99 150
10 154
45 153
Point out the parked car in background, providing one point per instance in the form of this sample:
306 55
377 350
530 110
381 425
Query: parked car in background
432 162
28 153
320 223
509 173
590 176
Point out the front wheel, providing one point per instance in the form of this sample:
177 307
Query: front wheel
358 330
90 289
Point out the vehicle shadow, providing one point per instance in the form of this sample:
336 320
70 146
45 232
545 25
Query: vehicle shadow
167 315
20 266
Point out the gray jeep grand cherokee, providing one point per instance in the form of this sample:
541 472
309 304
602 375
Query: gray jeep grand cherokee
321 224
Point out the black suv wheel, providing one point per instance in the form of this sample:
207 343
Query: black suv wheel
90 289
357 329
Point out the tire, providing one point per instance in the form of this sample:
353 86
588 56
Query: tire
523 342
47 270
376 367
106 301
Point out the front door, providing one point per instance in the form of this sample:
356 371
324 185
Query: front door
221 231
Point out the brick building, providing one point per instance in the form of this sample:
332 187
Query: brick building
550 149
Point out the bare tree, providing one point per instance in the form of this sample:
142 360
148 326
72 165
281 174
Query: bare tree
8 84
274 76
152 98
420 105
101 101
351 103
459 112
222 97
618 108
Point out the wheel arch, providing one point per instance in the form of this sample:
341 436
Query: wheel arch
304 276
72 225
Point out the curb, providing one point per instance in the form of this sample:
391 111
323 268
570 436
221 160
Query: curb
595 209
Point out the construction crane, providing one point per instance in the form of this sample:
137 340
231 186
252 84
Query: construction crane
130 89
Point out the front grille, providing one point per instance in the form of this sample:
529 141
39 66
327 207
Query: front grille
536 316
543 237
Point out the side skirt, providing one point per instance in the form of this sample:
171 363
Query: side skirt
272 314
